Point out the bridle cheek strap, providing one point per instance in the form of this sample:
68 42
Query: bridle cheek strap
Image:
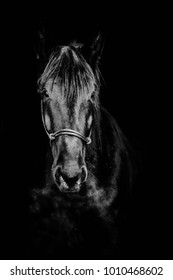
70 132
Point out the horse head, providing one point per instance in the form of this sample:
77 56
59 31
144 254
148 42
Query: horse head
69 89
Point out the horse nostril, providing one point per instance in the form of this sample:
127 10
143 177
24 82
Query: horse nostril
62 176
84 174
71 181
58 172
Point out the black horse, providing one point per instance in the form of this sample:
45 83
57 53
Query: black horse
78 211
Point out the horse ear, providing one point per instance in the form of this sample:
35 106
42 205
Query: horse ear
40 45
96 49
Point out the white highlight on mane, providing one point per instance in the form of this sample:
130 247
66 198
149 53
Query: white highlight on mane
75 56
64 49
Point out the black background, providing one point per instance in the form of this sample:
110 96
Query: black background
128 66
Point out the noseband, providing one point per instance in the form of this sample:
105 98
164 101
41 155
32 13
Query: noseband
70 132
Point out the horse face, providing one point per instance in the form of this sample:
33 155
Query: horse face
62 111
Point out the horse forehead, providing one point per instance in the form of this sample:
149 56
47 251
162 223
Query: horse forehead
53 88
70 106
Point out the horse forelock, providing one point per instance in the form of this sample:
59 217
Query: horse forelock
67 68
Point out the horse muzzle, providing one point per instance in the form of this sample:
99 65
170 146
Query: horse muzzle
70 180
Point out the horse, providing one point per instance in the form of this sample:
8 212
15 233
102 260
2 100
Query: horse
76 213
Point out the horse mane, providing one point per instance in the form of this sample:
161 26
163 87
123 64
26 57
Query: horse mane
67 67
115 136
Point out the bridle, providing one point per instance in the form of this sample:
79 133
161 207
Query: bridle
69 132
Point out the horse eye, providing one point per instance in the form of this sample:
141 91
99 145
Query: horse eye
92 96
44 93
